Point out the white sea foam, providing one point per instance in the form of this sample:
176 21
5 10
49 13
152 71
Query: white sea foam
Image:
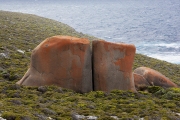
168 45
169 57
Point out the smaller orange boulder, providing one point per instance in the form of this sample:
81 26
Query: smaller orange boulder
152 77
63 61
112 66
140 82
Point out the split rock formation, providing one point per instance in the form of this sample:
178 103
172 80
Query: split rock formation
68 62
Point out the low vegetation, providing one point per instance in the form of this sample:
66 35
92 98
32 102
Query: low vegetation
21 33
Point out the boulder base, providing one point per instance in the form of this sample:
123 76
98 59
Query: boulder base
63 61
153 77
140 82
112 66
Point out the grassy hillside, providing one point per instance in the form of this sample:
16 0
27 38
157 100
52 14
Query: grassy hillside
21 33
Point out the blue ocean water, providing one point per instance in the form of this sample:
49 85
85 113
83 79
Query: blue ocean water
153 26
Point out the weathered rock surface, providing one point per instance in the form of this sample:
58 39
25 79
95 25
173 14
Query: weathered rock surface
140 82
63 61
112 66
153 77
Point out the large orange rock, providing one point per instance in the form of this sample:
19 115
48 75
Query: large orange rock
63 61
154 78
112 66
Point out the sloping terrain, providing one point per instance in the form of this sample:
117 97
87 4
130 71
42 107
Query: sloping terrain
21 33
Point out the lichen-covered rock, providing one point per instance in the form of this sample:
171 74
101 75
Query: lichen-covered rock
63 61
154 78
112 66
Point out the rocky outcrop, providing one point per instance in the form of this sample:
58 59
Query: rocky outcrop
66 62
112 66
63 61
145 76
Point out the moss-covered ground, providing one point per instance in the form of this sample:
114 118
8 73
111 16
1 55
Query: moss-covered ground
21 33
